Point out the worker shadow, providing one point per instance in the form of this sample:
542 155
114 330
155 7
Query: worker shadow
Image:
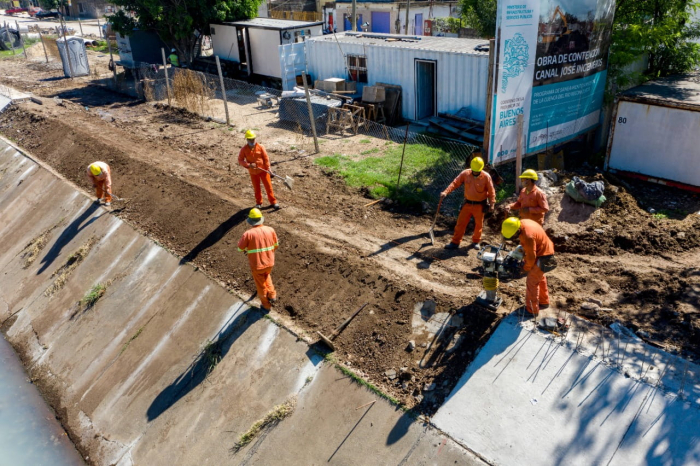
76 226
216 235
449 354
214 351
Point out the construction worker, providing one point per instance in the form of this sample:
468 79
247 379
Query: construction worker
539 259
478 188
260 244
253 156
532 203
101 176
174 61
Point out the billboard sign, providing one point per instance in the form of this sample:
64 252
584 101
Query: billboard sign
551 68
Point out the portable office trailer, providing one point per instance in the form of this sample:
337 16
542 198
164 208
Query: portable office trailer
436 74
656 132
140 47
255 43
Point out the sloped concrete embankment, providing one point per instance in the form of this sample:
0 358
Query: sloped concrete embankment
122 338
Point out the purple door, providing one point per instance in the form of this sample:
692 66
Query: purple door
381 22
419 24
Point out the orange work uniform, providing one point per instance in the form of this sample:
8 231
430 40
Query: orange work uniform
257 155
535 243
103 182
536 203
260 243
476 190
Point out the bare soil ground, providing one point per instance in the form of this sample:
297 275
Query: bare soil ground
185 190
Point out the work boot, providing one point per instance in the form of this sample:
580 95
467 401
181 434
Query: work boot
544 306
476 246
258 206
107 204
452 245
99 201
272 300
276 206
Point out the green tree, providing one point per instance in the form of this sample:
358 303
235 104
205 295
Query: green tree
180 22
658 29
52 4
480 15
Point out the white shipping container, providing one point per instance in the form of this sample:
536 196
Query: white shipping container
446 73
656 131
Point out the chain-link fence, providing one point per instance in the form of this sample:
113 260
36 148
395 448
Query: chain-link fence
392 162
397 163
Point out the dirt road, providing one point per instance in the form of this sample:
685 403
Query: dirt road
186 191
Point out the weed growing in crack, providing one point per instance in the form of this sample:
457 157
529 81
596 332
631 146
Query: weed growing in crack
271 419
66 269
32 250
212 355
92 296
133 337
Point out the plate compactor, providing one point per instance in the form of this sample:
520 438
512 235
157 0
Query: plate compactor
497 263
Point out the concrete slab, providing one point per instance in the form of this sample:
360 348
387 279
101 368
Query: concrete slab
168 367
577 399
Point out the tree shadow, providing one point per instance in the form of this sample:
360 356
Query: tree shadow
204 363
216 235
68 234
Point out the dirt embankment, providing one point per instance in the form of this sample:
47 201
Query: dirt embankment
317 289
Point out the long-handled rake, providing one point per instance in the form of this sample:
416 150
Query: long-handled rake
432 228
288 181
329 340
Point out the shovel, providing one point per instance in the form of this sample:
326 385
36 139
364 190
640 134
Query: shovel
431 232
329 340
288 181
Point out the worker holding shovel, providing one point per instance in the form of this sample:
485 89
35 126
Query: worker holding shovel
253 156
100 175
478 190
260 243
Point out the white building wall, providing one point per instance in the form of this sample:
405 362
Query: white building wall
645 132
224 42
264 50
461 78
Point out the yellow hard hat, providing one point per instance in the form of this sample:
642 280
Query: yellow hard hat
250 134
95 169
529 174
255 217
477 164
510 226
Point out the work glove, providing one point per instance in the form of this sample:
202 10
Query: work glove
253 165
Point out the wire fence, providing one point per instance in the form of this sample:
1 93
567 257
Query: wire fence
390 162
396 163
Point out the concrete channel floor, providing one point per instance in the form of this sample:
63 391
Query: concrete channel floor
589 397
129 376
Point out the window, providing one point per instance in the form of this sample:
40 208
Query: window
80 8
357 68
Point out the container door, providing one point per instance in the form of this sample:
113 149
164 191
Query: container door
419 24
347 26
381 22
293 62
426 90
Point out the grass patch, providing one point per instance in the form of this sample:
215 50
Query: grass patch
422 166
670 214
371 151
94 295
271 419
133 337
660 215
365 141
101 47
61 275
18 51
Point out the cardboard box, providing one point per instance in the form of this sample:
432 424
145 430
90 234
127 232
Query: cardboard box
373 94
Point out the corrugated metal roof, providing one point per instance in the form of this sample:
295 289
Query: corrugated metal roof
681 89
274 23
437 44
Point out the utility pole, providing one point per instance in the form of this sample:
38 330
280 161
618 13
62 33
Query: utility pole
408 8
354 15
